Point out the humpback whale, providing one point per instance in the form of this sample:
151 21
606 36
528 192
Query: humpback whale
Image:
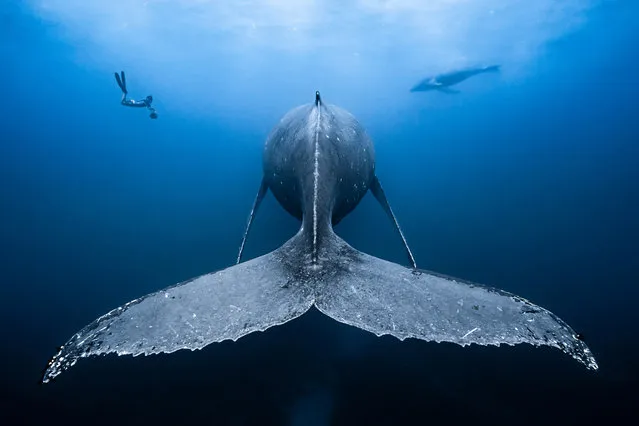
319 162
442 82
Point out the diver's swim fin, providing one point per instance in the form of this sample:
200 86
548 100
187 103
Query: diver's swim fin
378 192
256 204
121 83
117 79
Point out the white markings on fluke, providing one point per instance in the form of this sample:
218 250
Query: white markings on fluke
470 332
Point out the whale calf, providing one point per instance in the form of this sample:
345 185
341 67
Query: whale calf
442 82
318 163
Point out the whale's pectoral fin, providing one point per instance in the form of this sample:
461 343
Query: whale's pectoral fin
256 204
224 305
378 192
446 89
386 298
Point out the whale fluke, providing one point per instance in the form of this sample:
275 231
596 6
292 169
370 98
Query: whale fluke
349 286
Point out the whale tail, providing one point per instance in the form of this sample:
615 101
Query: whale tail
347 285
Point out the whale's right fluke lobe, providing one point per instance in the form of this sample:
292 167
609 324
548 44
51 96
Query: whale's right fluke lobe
385 298
347 285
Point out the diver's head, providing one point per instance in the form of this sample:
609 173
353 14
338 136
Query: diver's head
153 115
149 99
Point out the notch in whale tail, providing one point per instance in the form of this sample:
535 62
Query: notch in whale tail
350 286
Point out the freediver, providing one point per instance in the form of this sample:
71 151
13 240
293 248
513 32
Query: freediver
146 102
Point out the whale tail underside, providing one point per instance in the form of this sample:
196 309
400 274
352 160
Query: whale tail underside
349 286
225 305
386 298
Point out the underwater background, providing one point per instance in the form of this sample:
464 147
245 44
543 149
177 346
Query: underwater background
527 180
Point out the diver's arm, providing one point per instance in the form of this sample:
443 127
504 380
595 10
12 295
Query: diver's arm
153 114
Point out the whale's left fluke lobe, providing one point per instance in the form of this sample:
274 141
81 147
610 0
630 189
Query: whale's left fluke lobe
224 305
350 286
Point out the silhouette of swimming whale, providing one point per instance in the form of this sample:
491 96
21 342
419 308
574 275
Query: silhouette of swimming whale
442 82
319 163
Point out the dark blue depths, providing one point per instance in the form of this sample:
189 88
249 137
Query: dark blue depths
533 188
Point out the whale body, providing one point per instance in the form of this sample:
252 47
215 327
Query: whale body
318 163
443 82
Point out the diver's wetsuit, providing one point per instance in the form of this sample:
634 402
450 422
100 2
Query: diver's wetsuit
146 102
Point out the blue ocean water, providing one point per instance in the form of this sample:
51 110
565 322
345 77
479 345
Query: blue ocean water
527 183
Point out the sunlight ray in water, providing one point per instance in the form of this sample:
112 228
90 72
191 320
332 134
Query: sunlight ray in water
437 35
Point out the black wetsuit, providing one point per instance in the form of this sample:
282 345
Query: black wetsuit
144 103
